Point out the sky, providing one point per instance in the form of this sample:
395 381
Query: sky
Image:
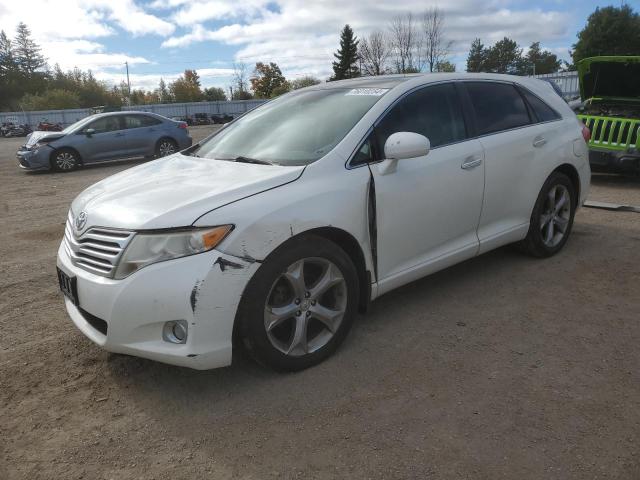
162 38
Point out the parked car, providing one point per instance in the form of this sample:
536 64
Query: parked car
218 118
104 137
277 229
610 94
188 120
201 119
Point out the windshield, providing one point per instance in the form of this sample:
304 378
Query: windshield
296 129
79 123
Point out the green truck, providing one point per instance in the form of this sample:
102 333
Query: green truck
610 92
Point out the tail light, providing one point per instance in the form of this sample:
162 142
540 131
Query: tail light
182 125
586 133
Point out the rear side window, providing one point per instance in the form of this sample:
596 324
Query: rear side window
542 111
434 112
498 106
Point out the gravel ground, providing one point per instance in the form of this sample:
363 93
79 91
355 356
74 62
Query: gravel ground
501 367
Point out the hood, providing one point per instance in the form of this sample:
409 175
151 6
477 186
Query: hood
610 78
175 191
35 137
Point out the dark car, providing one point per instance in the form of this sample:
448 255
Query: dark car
219 118
201 119
104 137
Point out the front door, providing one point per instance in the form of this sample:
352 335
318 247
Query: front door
427 208
107 142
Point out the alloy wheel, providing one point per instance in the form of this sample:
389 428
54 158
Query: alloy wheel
166 148
556 215
305 306
65 161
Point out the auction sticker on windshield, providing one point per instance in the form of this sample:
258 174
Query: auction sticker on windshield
375 92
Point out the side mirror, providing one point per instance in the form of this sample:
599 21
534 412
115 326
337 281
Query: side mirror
89 131
403 145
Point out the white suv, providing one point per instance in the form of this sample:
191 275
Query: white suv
279 228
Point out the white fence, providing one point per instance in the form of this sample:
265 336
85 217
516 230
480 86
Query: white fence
567 81
67 117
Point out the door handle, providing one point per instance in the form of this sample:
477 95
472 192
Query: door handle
471 161
539 141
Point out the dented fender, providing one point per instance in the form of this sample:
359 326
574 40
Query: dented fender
265 221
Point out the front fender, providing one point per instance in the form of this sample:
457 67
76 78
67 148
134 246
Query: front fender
266 220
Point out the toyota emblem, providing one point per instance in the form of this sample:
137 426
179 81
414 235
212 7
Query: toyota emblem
81 221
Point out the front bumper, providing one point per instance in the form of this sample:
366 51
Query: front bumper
615 161
196 289
34 159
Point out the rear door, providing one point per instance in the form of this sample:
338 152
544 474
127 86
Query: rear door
142 133
509 137
107 142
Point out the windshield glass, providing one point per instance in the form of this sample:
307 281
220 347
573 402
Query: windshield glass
296 129
79 123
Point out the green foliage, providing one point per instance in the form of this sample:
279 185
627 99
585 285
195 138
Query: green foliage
303 82
609 31
214 94
268 81
506 56
346 56
186 88
542 61
54 99
445 66
477 57
241 95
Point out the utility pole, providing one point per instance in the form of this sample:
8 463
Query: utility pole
128 83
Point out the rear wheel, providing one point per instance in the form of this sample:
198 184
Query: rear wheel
552 217
166 146
64 160
300 304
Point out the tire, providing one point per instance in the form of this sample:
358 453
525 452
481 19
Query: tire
552 217
289 325
64 160
165 147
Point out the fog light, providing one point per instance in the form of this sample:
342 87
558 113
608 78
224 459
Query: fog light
175 331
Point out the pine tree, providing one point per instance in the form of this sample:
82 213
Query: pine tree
477 57
346 56
27 52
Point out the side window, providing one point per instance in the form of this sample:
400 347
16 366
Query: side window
133 121
106 124
149 121
434 112
498 106
541 110
365 153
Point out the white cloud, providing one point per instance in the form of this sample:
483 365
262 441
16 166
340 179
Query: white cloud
301 36
218 77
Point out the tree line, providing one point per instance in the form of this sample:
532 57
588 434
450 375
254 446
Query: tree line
410 43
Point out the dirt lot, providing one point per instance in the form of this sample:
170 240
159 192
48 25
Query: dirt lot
502 367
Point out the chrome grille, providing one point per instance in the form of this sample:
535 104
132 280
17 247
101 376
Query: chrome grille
97 250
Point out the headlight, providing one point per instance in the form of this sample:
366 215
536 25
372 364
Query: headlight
148 248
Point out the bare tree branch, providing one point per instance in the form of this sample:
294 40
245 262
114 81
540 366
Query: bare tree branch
374 53
436 47
240 76
406 42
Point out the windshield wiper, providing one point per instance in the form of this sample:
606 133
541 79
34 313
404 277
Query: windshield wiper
242 159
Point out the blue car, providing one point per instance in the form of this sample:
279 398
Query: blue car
104 137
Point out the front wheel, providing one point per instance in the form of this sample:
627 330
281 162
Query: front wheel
552 217
300 304
64 160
